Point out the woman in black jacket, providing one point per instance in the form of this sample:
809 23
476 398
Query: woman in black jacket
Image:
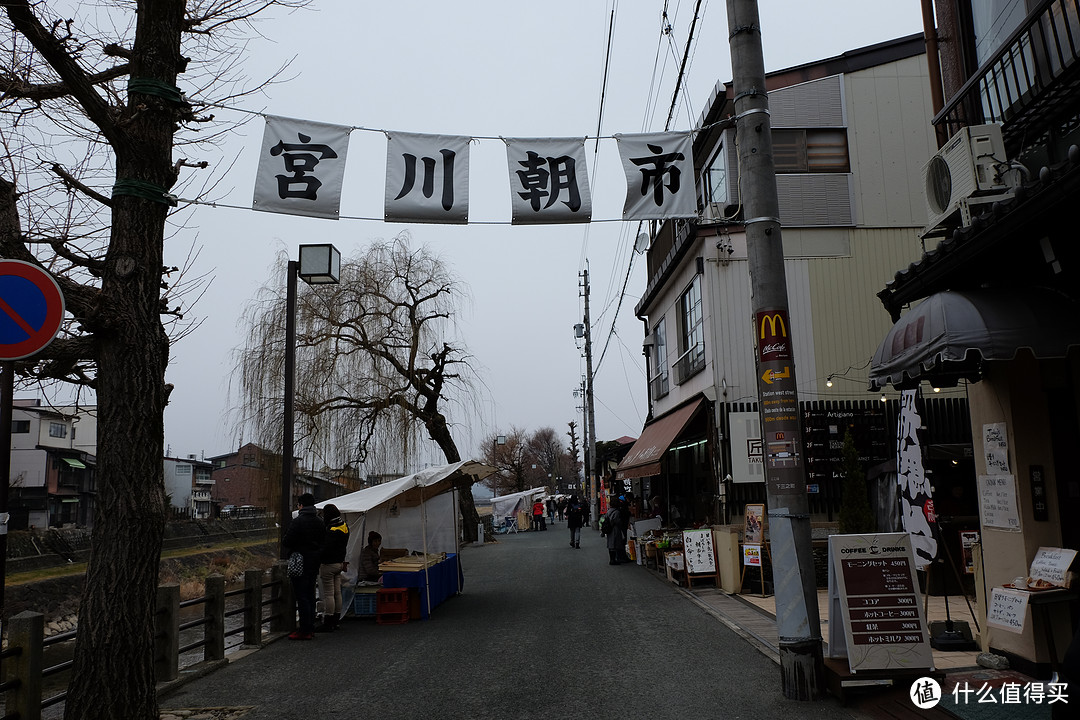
332 564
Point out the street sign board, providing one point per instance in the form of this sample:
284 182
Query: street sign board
31 309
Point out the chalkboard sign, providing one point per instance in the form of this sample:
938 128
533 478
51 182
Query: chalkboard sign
873 587
700 555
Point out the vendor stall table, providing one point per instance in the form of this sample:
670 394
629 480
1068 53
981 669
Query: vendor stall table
440 580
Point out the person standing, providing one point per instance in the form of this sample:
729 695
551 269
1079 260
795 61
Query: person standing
625 515
305 536
575 519
538 514
616 537
560 508
551 510
335 542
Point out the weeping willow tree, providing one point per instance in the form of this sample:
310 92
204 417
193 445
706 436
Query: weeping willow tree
378 364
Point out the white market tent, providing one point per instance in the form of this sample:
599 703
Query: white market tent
418 512
506 505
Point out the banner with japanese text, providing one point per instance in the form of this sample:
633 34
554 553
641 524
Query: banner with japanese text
427 178
301 167
549 181
659 169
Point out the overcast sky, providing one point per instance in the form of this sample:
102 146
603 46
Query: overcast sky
488 68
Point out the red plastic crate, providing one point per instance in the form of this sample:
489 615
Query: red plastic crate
392 618
392 600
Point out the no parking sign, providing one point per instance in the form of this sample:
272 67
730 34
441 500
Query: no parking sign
31 309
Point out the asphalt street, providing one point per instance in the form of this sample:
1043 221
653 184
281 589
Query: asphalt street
540 630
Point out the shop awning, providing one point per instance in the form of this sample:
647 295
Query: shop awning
74 463
950 334
656 437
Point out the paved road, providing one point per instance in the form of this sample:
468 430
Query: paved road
541 630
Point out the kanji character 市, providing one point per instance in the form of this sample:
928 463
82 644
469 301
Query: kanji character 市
652 178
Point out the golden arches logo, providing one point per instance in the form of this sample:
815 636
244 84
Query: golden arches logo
774 320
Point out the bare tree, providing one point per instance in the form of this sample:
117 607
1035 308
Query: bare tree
90 118
377 365
548 453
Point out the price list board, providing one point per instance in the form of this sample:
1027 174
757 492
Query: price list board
877 593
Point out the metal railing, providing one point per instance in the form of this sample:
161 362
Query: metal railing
23 664
1033 73
690 363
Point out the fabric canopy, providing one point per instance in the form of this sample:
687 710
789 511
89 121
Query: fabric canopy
505 505
951 333
656 437
417 513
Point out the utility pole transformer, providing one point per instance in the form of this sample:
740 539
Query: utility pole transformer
797 619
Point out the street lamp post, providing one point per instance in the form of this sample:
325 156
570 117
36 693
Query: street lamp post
318 265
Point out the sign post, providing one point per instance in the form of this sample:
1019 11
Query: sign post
31 312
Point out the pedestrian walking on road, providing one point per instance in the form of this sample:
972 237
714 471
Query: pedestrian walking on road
575 518
335 542
616 537
305 536
551 510
560 508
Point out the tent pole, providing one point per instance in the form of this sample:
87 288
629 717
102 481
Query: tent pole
423 525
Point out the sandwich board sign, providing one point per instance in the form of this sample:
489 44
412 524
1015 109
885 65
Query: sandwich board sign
874 596
31 309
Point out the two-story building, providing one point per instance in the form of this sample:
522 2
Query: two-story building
52 479
992 304
849 133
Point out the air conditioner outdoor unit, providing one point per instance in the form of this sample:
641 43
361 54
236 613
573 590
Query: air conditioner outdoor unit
972 164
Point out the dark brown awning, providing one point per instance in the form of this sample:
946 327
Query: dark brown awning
952 333
656 437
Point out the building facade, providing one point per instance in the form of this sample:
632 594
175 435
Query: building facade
991 306
52 479
849 133
189 485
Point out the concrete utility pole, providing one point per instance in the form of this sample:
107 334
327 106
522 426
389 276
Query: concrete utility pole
590 448
797 620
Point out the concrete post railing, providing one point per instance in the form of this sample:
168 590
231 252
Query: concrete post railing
214 619
25 631
167 634
22 664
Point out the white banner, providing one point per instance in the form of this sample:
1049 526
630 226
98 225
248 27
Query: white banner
659 170
427 178
916 501
301 167
549 180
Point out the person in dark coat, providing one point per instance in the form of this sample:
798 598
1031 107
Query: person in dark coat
305 536
575 519
332 564
616 539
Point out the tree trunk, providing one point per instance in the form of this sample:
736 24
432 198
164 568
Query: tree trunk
113 666
470 518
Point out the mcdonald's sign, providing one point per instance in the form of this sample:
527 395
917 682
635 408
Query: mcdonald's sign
772 329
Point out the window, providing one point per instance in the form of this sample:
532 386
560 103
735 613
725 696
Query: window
183 469
249 459
692 333
57 430
659 380
714 181
810 151
20 426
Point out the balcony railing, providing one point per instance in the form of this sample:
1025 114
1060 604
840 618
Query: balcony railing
690 363
659 386
1029 83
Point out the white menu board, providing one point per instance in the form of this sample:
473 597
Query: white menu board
996 448
1007 609
698 548
1052 564
997 502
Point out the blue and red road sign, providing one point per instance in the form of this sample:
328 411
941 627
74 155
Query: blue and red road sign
31 309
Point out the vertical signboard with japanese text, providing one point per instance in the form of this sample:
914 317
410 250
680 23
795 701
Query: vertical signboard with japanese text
780 432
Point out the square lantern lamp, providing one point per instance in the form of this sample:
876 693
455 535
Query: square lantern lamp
319 264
